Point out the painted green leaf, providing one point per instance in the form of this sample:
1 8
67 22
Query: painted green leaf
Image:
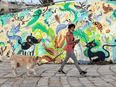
2 43
36 16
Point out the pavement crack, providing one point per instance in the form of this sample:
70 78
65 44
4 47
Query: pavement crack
111 69
60 81
68 82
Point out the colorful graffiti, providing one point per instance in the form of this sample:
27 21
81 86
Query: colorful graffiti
43 31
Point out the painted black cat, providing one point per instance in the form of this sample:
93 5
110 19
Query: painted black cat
100 54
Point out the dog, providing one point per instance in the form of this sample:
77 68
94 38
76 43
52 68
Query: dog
27 62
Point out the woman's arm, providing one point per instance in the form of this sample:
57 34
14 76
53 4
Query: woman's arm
69 40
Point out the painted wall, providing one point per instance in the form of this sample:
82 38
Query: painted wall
21 33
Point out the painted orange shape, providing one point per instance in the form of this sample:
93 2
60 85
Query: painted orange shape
107 31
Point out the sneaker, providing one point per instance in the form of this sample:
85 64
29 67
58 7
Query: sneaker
61 71
83 72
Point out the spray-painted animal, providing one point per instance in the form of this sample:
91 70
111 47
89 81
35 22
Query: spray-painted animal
98 25
99 54
82 5
107 9
13 31
28 46
12 36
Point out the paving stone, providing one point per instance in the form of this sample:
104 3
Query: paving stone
105 70
9 82
74 81
66 86
27 85
17 82
84 67
42 86
47 74
3 80
89 85
92 71
54 82
10 75
114 84
30 80
60 75
84 81
95 79
107 79
113 77
73 72
104 85
64 82
43 82
113 68
6 85
3 73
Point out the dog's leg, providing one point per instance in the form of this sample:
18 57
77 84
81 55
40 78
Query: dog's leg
23 53
33 53
28 72
14 66
31 70
34 71
14 71
30 53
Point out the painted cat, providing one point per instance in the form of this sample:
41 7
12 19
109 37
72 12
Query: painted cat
99 54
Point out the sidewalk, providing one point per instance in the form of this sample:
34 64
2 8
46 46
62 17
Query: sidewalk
47 76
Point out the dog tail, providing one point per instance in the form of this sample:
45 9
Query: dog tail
5 59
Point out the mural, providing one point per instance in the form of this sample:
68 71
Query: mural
42 32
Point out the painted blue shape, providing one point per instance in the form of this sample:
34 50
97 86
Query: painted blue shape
16 29
61 27
108 20
47 39
52 36
83 61
97 16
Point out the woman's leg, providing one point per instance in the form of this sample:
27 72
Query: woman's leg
72 55
65 60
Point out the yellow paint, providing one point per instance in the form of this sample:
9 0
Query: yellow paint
0 24
54 24
66 17
44 34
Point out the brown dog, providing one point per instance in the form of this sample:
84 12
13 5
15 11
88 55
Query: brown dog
27 62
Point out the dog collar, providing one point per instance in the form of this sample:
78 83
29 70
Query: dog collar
30 44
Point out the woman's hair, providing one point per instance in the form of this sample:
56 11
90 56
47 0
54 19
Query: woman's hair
71 25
